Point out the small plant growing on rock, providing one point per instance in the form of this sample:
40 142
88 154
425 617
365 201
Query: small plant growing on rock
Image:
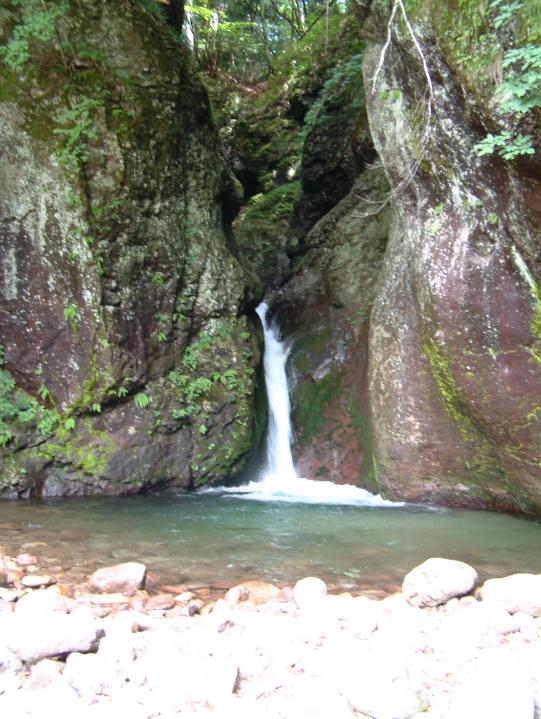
141 400
71 315
38 25
76 129
70 424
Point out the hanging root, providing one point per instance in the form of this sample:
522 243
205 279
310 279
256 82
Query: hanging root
403 184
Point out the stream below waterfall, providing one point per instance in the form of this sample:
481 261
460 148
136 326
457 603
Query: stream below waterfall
218 540
278 527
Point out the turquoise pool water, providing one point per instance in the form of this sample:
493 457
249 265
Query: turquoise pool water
218 540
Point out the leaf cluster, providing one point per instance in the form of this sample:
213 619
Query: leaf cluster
520 92
38 25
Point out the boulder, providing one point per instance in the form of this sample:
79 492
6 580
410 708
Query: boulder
41 601
56 698
44 673
437 580
178 674
126 578
8 595
516 593
91 674
34 638
309 592
377 683
117 600
473 627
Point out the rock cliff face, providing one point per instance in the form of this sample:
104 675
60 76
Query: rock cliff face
454 365
121 297
328 302
341 225
448 411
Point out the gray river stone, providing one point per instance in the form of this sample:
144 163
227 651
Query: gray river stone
51 635
516 593
437 580
309 592
41 601
91 674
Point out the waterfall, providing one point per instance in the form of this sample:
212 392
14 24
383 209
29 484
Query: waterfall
279 461
280 481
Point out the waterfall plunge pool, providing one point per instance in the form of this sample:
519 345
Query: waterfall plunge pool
350 538
217 540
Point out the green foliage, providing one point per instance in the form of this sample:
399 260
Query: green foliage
71 315
520 92
197 388
70 424
20 412
345 82
184 412
245 36
272 207
506 10
76 129
360 316
230 378
141 400
48 423
190 358
506 144
38 25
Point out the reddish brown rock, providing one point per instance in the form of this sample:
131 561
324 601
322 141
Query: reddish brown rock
254 590
455 377
160 601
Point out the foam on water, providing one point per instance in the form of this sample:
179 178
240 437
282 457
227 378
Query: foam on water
275 489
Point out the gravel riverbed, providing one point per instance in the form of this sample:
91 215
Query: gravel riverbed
445 647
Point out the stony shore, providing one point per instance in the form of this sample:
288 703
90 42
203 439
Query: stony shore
445 647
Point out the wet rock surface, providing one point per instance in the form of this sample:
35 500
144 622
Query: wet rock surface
325 311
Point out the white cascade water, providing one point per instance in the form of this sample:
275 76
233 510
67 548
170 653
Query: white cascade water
279 462
280 481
